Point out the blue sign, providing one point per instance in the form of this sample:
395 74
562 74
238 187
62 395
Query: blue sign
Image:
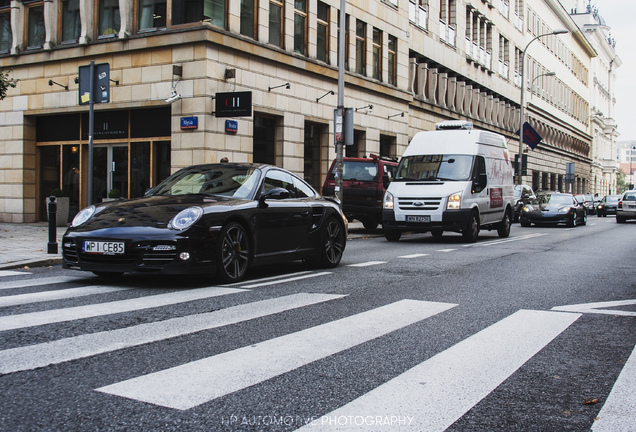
530 136
189 122
231 126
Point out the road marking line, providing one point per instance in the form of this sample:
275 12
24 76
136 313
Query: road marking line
267 278
439 391
595 308
73 348
367 264
414 255
292 279
446 250
510 239
619 410
192 384
13 273
25 283
43 296
32 319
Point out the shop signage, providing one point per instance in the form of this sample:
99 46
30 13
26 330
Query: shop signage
189 122
234 104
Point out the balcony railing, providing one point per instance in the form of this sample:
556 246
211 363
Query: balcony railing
418 15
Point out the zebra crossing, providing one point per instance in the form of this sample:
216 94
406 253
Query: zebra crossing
422 398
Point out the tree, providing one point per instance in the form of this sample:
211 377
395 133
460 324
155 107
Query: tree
6 82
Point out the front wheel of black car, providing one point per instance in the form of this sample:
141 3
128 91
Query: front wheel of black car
233 253
332 245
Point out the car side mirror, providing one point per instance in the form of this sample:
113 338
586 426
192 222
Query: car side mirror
274 193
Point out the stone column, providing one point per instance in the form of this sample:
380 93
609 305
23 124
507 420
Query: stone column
452 90
50 23
432 86
474 109
126 18
459 97
413 76
441 89
422 79
468 101
87 8
17 26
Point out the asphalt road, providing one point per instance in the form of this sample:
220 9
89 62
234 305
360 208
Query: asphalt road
424 334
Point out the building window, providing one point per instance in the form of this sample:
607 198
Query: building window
191 11
152 14
248 18
418 13
393 60
377 54
504 56
300 26
322 40
109 19
70 21
276 23
6 38
35 24
447 19
361 47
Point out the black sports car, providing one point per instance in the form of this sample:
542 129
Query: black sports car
217 218
553 208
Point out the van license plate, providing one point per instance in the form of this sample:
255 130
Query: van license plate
104 247
418 219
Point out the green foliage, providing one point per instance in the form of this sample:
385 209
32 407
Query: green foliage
114 193
6 82
57 192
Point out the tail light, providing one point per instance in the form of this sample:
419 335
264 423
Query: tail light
620 204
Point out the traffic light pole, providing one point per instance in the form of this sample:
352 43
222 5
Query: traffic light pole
339 137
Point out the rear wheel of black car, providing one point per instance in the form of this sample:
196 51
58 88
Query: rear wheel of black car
233 253
333 244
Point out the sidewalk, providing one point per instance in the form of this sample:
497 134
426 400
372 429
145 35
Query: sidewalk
26 244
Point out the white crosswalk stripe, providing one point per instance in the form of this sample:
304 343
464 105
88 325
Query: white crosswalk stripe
39 355
68 293
37 282
194 383
68 314
436 393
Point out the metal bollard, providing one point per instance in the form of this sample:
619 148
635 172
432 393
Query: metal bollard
52 210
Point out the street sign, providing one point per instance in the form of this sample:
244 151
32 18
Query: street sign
101 84
234 104
530 136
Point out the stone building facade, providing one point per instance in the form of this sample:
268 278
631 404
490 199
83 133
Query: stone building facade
409 64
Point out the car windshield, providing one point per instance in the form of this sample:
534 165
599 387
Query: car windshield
612 198
360 171
224 180
629 197
435 167
554 199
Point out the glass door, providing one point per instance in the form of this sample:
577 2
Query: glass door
110 172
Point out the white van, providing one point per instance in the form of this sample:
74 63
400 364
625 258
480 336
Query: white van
452 179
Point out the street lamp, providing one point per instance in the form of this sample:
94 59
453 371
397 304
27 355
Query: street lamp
523 58
547 74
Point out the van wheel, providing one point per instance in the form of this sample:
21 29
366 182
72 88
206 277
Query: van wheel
392 235
503 227
437 232
471 231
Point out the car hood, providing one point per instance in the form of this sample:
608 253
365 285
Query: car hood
549 208
154 211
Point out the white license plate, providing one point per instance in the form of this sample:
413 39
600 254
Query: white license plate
104 247
418 219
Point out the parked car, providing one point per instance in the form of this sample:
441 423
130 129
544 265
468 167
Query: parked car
523 195
588 202
216 218
550 208
607 205
364 182
626 208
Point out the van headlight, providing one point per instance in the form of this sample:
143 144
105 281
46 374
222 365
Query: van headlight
454 201
388 201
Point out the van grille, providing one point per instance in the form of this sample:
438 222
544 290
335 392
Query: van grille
419 203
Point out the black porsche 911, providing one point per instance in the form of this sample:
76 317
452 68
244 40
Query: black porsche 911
218 219
551 208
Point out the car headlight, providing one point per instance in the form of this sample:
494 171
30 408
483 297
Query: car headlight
186 218
84 215
388 201
564 210
454 201
528 208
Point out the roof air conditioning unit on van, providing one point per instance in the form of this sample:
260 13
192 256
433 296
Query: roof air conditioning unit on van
454 124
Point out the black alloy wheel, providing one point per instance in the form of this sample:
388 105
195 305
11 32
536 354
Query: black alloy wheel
333 244
233 253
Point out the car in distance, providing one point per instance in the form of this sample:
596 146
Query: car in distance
364 182
626 208
607 205
209 219
588 202
551 208
523 195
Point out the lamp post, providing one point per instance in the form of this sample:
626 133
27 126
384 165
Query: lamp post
631 173
523 58
547 74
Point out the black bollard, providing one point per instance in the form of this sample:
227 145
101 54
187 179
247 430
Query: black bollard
52 210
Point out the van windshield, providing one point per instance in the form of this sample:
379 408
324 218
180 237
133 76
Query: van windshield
435 167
